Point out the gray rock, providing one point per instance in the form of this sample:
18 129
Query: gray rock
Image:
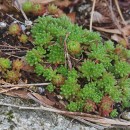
15 119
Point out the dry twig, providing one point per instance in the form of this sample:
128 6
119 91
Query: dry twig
92 12
116 22
119 11
21 85
67 57
24 15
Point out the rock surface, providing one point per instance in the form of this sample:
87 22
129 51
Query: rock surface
15 119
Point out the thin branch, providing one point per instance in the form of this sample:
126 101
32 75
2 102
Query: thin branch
20 85
31 96
24 15
14 19
116 22
92 12
119 11
66 53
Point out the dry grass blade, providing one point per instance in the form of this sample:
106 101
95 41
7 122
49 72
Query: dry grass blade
67 57
119 11
108 121
42 1
18 93
113 31
42 99
22 85
92 12
116 22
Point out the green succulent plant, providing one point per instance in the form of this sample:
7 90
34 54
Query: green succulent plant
70 88
92 69
114 113
56 55
75 106
122 68
4 64
91 92
34 57
50 88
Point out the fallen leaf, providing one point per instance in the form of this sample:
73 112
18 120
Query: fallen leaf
43 99
62 4
72 16
8 6
126 30
115 31
98 17
27 67
18 93
119 39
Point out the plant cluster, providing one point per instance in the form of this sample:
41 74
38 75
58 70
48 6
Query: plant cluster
36 9
99 79
16 30
10 71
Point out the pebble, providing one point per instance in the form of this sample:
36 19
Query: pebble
3 24
28 23
126 115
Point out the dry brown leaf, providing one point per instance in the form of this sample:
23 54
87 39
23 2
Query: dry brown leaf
98 17
72 16
61 4
3 8
43 99
114 31
8 6
119 39
18 93
126 30
27 67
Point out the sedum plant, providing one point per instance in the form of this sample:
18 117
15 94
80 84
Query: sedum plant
10 71
91 75
5 64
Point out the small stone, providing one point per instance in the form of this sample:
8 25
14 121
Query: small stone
3 24
28 23
23 27
126 115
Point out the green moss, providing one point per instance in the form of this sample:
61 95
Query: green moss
56 55
122 68
70 89
50 88
91 92
91 70
33 57
95 70
75 106
114 113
